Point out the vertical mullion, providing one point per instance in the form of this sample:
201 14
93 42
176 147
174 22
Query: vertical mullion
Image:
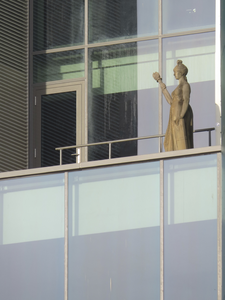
86 22
85 137
161 162
160 98
160 72
161 229
30 90
219 226
218 72
79 118
66 236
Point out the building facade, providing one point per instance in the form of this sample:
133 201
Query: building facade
109 219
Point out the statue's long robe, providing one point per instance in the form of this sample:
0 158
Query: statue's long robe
179 137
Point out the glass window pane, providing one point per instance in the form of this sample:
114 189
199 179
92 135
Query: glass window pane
58 23
123 100
32 238
58 127
114 233
58 66
122 19
197 53
190 228
182 15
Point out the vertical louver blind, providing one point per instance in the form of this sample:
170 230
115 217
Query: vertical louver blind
13 84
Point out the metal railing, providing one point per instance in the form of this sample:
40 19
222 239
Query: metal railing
60 149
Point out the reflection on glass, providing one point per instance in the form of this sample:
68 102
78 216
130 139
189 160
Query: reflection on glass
190 228
32 238
198 54
123 100
58 23
185 15
122 19
58 66
114 233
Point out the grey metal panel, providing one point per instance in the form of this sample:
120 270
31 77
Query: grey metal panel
13 84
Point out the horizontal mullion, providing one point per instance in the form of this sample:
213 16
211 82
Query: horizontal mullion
49 84
188 32
55 50
124 41
108 43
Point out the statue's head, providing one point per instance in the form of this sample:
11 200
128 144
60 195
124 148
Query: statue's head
180 67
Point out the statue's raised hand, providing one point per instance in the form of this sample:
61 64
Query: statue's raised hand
156 76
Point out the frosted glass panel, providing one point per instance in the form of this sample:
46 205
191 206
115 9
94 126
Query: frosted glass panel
114 232
190 228
32 238
26 214
126 207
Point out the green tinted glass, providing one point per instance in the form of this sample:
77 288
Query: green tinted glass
123 97
58 66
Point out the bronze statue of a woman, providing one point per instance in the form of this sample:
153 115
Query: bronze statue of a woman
179 133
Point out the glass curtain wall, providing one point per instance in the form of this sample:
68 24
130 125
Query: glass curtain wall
190 228
32 238
123 44
131 230
114 237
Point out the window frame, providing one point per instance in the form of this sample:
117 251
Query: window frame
55 88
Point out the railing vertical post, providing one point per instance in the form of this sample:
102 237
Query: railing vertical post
210 140
78 155
60 157
110 150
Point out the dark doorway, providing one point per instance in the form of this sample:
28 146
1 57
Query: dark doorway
58 127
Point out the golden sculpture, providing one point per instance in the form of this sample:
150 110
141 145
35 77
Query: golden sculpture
179 133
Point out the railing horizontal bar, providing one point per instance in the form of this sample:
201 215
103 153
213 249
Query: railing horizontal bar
202 130
112 142
125 140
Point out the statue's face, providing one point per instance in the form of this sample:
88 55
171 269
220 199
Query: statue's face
177 74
